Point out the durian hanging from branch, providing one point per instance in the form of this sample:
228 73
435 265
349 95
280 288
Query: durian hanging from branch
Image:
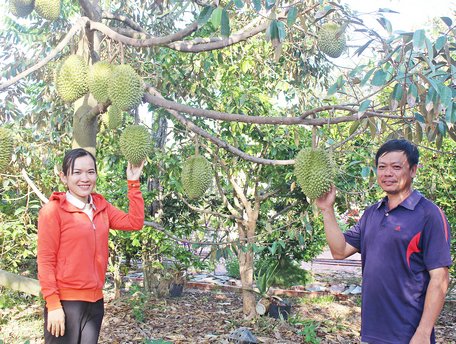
6 147
126 87
136 144
21 8
98 80
314 171
71 78
196 176
331 39
48 9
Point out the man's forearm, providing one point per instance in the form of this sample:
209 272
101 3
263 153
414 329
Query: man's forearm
334 236
435 299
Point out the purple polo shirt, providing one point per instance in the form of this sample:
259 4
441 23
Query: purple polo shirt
398 248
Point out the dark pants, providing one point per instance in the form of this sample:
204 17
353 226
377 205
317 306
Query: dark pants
82 323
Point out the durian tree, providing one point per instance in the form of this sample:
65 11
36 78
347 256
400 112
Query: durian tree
406 88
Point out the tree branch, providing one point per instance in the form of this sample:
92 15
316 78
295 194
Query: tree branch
199 45
148 42
124 19
75 29
34 187
223 116
222 144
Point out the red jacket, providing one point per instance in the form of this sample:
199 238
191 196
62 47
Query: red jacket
73 250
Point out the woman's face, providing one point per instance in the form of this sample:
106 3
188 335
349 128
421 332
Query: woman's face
82 180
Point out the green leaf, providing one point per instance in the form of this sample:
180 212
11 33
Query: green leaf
281 30
216 17
418 39
379 78
367 77
239 3
419 117
272 32
364 106
412 95
270 4
386 24
292 15
353 127
225 24
440 42
333 89
360 50
397 92
257 5
429 48
205 15
447 21
386 10
446 96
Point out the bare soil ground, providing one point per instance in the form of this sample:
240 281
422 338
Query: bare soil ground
210 316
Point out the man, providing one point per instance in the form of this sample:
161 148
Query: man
404 241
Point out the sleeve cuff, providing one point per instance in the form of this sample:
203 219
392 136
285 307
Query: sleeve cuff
53 302
133 184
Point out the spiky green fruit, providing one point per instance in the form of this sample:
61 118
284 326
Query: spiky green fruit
113 118
21 8
196 176
98 80
135 144
6 147
331 40
314 172
48 9
71 78
125 87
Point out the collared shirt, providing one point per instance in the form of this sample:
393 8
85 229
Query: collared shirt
87 208
398 248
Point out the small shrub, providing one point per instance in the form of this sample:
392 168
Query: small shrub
232 267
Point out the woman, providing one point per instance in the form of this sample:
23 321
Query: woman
73 248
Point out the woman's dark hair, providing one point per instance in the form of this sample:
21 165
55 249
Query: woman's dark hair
399 145
71 156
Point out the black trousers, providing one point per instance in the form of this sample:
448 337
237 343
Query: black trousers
82 323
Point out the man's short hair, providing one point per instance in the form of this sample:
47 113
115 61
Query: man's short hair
399 145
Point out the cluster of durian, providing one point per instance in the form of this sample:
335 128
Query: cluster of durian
47 9
119 84
6 147
331 40
135 144
314 172
196 176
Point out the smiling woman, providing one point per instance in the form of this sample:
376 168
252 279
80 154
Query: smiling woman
72 254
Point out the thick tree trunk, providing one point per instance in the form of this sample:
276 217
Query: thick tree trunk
246 259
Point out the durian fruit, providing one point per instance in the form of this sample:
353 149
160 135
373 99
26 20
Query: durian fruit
98 80
331 40
48 9
196 176
6 147
125 87
21 8
71 78
135 144
314 172
113 118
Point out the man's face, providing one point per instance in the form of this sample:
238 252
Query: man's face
394 174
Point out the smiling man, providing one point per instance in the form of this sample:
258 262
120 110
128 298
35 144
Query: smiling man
404 241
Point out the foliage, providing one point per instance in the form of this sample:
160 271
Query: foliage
229 93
